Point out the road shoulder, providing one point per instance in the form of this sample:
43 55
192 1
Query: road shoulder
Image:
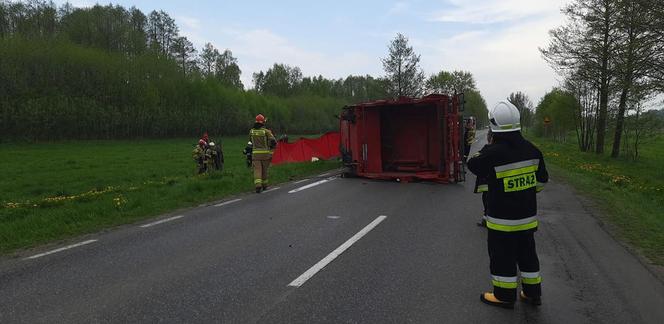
593 208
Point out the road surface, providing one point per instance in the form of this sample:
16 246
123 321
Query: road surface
328 250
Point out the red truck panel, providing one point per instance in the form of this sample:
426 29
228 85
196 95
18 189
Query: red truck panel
371 137
405 139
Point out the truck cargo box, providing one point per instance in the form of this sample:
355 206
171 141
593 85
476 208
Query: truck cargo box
404 139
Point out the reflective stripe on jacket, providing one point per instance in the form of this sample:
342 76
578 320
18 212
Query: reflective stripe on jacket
481 186
260 138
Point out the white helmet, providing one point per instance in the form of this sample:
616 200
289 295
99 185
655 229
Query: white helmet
211 143
504 117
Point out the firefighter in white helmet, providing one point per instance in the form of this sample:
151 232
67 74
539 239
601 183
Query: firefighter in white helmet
514 170
247 153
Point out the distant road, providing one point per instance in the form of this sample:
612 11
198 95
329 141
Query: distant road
328 250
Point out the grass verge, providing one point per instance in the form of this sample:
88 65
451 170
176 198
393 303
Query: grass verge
59 190
630 193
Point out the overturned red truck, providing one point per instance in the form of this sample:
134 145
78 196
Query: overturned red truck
406 139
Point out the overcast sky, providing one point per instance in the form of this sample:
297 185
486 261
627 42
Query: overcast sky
496 40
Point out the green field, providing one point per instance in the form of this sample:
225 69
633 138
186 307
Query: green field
630 193
58 190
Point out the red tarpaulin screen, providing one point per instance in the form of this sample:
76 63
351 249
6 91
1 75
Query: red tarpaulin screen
325 147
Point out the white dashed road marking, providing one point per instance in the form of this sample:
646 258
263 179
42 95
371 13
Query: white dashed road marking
60 249
313 184
272 189
162 221
227 202
299 281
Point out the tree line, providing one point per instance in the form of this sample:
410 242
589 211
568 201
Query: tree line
611 56
111 72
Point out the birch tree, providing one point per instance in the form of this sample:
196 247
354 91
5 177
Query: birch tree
405 76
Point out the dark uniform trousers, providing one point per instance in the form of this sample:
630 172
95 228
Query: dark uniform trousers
506 251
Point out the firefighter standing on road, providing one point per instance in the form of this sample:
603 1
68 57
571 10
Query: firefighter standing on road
263 142
468 136
514 170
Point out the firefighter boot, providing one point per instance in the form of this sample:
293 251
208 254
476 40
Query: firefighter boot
489 299
258 189
533 301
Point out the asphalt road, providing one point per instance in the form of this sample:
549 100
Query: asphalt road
424 261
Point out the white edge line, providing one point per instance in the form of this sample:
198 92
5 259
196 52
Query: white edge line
300 181
299 281
272 189
313 184
227 202
60 249
162 221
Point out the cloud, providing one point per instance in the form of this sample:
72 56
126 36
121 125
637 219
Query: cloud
398 8
487 12
191 28
259 49
82 3
503 60
188 22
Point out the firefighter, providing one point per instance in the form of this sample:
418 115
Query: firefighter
482 187
247 153
209 158
217 156
199 155
468 137
263 143
514 170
